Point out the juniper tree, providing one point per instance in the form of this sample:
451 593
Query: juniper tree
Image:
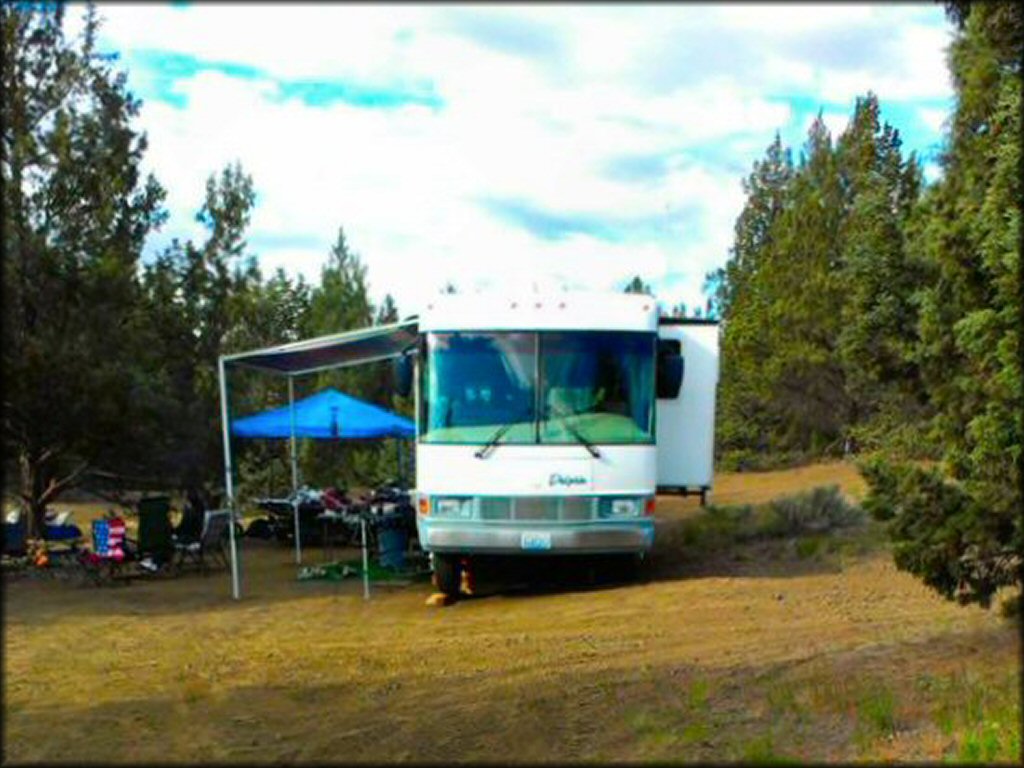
76 212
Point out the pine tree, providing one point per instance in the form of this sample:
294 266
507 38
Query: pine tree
637 285
198 307
740 299
960 530
339 303
76 212
879 279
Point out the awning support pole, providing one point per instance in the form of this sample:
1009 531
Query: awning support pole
366 560
236 592
295 470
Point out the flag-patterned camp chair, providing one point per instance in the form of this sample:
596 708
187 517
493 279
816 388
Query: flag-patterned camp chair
108 557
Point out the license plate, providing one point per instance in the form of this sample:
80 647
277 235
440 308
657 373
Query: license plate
534 541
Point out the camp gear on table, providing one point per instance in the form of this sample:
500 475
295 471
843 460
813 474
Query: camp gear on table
281 514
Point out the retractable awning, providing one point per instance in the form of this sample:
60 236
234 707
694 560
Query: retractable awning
365 345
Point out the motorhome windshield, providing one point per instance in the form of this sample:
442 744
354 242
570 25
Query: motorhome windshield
555 387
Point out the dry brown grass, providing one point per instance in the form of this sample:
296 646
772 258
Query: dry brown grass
747 659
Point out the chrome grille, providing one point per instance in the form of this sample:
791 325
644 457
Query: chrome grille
535 508
526 509
495 508
575 508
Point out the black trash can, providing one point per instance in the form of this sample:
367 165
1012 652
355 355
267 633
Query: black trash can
392 540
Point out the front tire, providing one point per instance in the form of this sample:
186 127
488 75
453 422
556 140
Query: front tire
629 568
448 574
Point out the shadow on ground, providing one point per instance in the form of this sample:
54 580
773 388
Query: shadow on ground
269 575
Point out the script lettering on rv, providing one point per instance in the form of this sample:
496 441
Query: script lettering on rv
557 479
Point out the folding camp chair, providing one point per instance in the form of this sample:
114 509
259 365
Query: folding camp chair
211 544
156 541
190 527
108 558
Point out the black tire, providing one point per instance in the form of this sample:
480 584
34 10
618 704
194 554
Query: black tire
448 574
630 568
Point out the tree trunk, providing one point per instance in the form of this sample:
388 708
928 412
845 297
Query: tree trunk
32 492
39 487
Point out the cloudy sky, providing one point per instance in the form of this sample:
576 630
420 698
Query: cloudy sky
509 146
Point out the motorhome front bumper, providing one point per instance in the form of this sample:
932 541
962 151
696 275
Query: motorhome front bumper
493 538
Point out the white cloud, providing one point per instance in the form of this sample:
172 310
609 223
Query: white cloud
538 103
935 119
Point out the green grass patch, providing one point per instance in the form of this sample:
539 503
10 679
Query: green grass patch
982 717
876 710
697 696
988 743
810 546
761 751
686 723
657 728
695 732
781 698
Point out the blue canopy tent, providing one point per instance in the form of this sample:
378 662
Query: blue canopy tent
327 415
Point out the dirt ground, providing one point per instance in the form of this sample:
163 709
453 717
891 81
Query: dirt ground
746 655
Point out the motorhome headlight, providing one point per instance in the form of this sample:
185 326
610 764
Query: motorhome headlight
620 508
454 507
625 508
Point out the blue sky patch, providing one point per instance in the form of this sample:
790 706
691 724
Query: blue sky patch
156 74
513 35
263 241
637 168
546 225
554 226
323 93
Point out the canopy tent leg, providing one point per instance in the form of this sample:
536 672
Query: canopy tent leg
366 560
295 470
236 591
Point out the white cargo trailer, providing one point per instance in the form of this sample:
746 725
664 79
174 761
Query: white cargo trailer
686 423
546 423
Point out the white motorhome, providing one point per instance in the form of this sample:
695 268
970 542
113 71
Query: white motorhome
548 422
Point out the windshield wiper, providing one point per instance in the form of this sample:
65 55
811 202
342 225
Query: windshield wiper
565 415
490 444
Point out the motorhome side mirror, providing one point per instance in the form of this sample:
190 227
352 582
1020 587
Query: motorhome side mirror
402 369
669 370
